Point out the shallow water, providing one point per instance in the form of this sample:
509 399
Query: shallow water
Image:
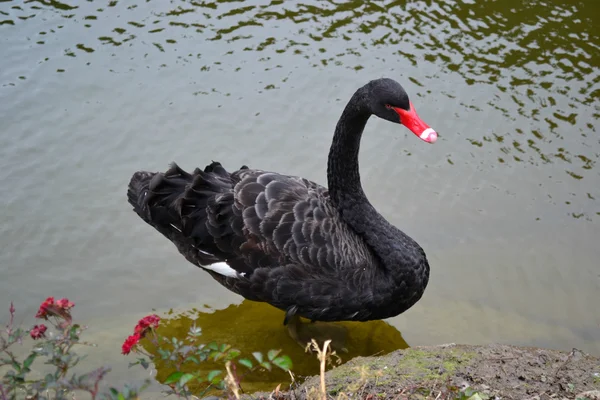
506 203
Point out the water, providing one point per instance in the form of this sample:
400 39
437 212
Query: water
506 203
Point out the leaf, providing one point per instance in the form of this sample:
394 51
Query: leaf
16 365
144 363
192 359
174 377
213 346
212 375
164 353
283 362
185 379
73 332
272 354
29 360
476 396
233 353
217 355
195 331
220 385
245 362
258 356
114 392
184 350
266 365
48 379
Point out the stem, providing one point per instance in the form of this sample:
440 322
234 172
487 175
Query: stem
323 359
12 317
231 378
95 391
143 352
155 338
2 392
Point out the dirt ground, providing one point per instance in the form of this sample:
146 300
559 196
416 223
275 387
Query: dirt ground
441 372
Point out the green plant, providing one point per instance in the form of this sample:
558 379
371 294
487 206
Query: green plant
471 394
56 347
179 354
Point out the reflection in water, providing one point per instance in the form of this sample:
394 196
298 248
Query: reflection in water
535 63
253 326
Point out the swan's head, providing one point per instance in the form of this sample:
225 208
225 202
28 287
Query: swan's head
388 100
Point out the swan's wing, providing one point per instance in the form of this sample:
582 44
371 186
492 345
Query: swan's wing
302 257
233 224
266 236
286 220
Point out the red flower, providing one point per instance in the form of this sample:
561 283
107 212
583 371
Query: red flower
143 325
150 321
59 308
44 308
38 331
65 304
130 342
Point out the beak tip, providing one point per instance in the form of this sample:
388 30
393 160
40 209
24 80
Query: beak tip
429 135
433 137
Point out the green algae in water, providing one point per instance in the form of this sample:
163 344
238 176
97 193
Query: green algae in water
252 326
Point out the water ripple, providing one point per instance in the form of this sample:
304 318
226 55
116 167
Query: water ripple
535 63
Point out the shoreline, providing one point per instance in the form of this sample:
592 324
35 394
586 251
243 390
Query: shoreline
431 372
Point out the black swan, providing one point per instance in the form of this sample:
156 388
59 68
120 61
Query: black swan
321 253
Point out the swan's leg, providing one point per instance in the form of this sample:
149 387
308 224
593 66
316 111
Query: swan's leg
293 325
304 333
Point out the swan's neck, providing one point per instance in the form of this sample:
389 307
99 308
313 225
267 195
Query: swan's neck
396 250
342 168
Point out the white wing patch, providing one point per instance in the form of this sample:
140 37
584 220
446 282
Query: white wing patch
222 268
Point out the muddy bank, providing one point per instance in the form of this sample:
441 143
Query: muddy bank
438 372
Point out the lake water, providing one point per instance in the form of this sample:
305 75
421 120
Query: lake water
506 204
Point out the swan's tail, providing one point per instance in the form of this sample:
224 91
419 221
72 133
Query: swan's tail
138 191
187 208
156 197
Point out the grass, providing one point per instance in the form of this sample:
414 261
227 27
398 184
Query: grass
363 380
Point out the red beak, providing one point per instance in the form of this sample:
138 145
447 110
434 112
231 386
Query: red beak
411 120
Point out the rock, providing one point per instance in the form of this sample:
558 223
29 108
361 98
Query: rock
589 395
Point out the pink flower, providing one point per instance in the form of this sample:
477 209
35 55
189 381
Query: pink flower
130 342
38 331
150 321
65 304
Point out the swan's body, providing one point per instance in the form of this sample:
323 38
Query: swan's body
322 253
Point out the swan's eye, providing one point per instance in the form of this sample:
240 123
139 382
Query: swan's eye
388 106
